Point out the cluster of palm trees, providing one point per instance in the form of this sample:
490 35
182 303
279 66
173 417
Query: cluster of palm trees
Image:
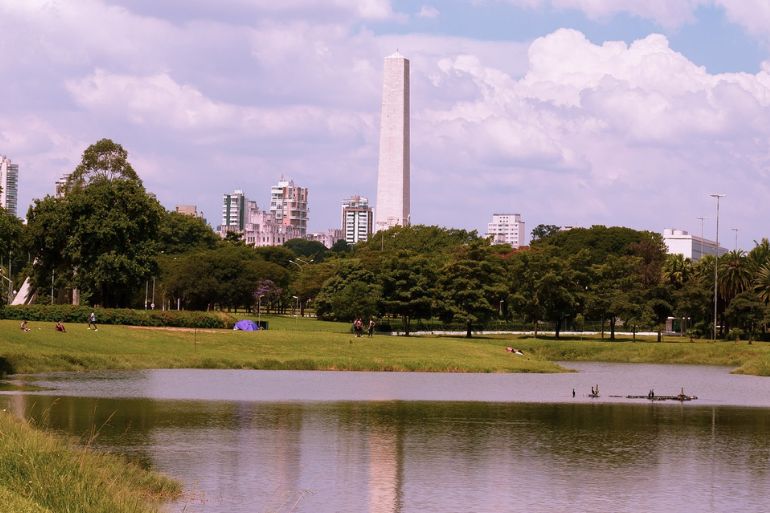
743 291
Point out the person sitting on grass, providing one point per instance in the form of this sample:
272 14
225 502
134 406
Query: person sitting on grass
60 327
23 326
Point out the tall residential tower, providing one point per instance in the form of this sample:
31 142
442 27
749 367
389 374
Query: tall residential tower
393 174
9 184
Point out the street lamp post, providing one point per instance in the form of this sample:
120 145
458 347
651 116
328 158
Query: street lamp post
300 265
716 265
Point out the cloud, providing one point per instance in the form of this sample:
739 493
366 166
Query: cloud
561 129
428 11
619 129
752 15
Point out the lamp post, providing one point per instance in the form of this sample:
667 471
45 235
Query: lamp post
716 265
300 263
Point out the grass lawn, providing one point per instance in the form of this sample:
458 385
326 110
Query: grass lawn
297 343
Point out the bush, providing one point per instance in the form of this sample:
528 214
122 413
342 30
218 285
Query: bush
124 316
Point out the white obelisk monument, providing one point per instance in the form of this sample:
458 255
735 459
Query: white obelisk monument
393 174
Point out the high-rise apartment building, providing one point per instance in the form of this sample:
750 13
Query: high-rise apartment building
393 200
356 219
9 184
507 229
288 203
233 213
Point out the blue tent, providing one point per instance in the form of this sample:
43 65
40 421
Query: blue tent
246 325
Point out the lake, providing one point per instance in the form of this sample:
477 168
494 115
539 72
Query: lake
279 441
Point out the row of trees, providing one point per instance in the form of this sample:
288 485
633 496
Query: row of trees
108 238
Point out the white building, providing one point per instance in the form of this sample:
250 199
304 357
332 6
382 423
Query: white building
679 242
356 219
393 200
61 185
288 203
233 213
9 184
507 229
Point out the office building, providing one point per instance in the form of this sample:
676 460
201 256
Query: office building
356 219
288 204
680 242
9 184
393 199
507 229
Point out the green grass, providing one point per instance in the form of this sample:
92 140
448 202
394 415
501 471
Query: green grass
40 473
308 344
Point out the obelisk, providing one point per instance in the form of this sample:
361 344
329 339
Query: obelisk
393 172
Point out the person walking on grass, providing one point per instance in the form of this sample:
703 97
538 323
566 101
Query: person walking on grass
92 321
371 328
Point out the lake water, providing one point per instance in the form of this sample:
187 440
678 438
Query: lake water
274 441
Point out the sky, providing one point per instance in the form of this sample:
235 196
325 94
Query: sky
568 112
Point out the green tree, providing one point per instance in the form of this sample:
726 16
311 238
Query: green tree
308 249
543 231
615 290
226 276
746 312
471 285
101 236
407 282
180 233
350 293
103 160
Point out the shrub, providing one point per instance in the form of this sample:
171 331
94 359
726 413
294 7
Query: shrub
125 316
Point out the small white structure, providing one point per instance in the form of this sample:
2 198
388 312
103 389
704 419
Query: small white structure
680 242
507 229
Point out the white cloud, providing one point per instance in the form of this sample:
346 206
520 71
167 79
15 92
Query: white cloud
428 11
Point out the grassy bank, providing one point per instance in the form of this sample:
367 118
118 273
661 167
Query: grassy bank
313 345
40 473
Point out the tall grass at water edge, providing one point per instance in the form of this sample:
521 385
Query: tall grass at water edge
41 473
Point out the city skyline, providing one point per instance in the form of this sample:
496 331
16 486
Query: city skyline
572 113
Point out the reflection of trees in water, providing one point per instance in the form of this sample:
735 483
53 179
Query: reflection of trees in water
393 456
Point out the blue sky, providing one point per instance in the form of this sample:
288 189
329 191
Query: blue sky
570 112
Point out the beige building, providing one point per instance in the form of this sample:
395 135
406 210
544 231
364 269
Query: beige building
289 206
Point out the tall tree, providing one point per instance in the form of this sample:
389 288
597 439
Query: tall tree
471 285
180 233
407 282
102 235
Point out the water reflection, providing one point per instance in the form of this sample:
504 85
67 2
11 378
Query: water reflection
428 456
